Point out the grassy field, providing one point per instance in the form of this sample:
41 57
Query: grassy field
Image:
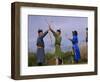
68 58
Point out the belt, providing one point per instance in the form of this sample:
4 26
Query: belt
39 46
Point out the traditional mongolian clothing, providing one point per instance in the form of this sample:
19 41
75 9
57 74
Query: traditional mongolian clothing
75 48
58 52
40 49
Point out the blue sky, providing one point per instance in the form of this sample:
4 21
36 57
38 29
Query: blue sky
66 23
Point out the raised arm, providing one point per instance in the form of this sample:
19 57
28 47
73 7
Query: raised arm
70 39
54 33
44 34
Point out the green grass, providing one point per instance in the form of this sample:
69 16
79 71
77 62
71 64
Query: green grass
31 59
68 58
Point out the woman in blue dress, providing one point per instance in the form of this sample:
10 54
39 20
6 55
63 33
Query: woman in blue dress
75 46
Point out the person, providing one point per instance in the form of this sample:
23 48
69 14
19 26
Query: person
40 47
58 38
86 35
75 46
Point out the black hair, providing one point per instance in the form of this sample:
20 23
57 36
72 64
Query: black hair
87 29
40 30
59 30
75 32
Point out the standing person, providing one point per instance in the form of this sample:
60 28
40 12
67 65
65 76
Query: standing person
86 35
40 47
75 46
58 38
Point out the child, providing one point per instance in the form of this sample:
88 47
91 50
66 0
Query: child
40 47
58 39
75 47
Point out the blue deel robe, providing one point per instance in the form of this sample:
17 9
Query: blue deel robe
40 51
76 48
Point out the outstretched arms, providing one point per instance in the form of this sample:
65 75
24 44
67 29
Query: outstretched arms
54 33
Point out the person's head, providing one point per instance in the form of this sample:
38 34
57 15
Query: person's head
58 32
40 32
74 33
86 29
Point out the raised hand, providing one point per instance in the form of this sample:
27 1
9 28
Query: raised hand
50 27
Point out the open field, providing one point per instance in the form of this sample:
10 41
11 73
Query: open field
68 58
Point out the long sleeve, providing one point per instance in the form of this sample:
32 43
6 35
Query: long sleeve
44 34
40 41
75 39
54 33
